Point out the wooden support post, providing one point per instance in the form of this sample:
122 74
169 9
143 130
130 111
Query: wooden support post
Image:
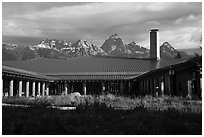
129 86
148 87
162 88
33 90
11 88
47 89
65 86
68 87
156 87
2 87
55 88
62 87
72 88
27 89
200 87
58 88
103 86
43 89
169 85
38 88
189 82
121 87
108 86
20 89
152 87
84 87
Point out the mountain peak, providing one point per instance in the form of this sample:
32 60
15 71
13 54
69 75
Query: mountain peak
113 45
167 49
114 36
132 43
167 45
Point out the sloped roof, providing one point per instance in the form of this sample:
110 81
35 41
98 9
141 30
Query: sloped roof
195 62
87 67
12 70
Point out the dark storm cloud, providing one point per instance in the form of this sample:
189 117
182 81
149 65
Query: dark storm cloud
178 22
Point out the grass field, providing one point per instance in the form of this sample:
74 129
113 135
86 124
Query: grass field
97 115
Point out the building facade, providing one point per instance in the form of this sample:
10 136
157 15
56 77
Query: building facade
96 75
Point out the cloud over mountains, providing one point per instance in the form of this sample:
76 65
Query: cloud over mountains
179 23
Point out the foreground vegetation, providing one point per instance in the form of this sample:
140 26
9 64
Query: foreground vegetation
118 102
104 114
100 120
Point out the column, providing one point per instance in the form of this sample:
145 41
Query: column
27 88
20 89
109 90
84 87
116 87
59 88
162 86
55 88
2 87
200 87
103 86
189 82
65 87
121 87
142 90
62 88
153 87
169 85
68 87
38 88
111 87
129 86
47 89
11 88
72 88
43 89
33 91
147 86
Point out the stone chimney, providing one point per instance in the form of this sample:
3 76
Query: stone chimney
154 45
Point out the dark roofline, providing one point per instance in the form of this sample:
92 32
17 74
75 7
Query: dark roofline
114 57
123 75
191 60
18 71
96 73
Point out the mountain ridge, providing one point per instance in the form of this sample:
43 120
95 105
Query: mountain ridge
61 49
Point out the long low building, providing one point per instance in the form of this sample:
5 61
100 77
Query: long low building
94 75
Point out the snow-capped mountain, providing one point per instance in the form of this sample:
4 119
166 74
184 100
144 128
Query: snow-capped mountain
9 46
167 50
14 50
113 46
52 44
137 51
83 48
55 49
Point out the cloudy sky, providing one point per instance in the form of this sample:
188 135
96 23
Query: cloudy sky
179 23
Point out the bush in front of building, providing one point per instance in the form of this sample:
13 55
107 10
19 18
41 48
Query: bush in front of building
118 102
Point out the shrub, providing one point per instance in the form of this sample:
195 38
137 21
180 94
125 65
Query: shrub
110 100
